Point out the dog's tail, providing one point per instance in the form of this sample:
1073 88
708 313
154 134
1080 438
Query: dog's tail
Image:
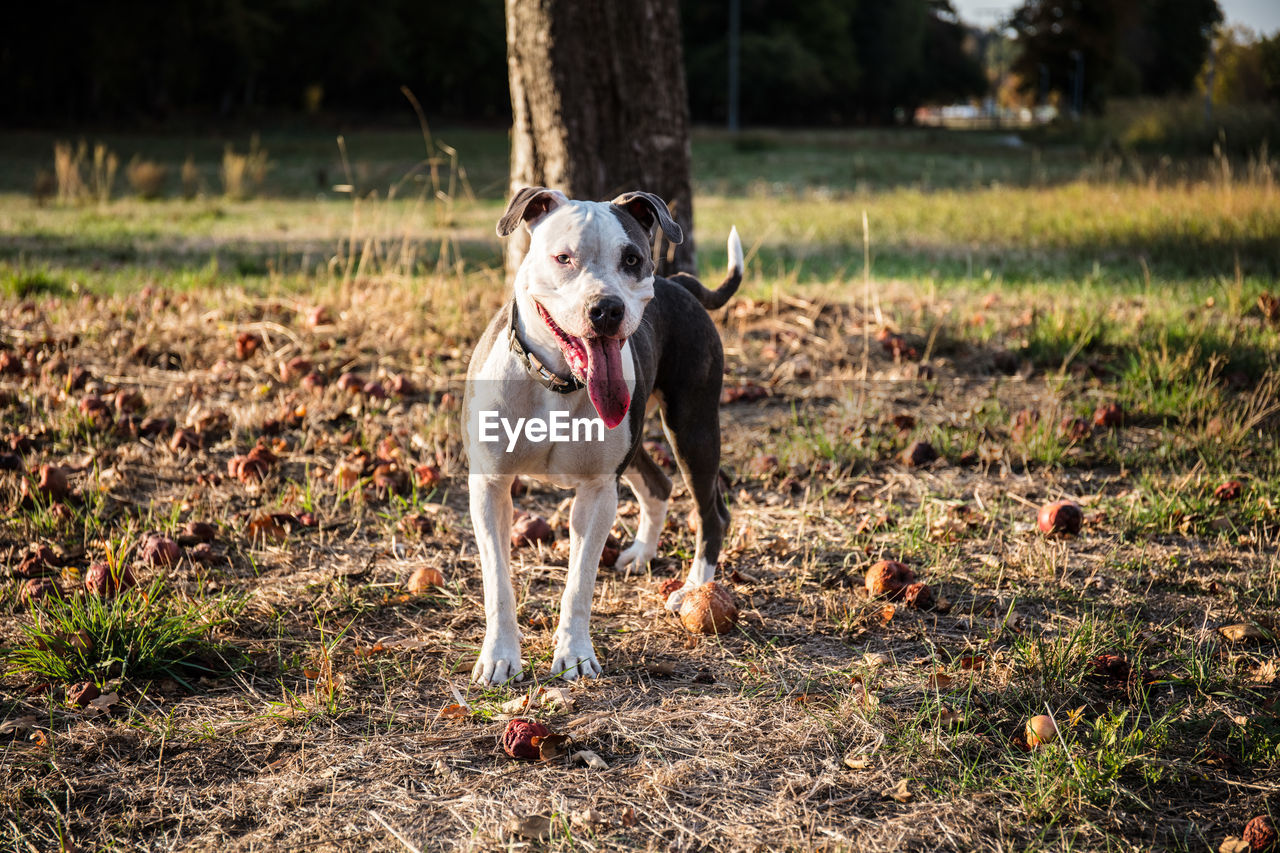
713 299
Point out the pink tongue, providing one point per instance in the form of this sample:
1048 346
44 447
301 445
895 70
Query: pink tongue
605 384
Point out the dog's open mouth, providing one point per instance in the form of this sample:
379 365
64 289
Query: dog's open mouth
598 363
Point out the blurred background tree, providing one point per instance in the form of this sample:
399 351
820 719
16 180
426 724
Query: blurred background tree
1088 50
820 62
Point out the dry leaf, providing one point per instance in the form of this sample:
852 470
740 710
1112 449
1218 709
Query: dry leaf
266 528
857 762
1243 631
407 644
104 702
629 817
1234 844
941 681
860 694
41 738
900 793
17 726
557 698
552 746
454 712
949 717
586 817
876 659
311 673
516 705
589 758
534 827
886 613
973 662
659 667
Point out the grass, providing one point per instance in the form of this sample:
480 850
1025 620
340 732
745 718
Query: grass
1026 278
139 635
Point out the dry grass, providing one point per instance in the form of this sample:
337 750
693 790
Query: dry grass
243 175
331 732
147 178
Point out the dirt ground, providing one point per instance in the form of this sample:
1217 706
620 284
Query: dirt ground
328 708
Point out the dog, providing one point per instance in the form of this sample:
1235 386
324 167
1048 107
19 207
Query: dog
592 337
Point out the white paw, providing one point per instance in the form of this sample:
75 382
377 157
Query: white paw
677 596
498 664
637 555
574 662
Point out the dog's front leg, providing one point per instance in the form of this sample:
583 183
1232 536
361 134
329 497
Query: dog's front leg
595 505
491 518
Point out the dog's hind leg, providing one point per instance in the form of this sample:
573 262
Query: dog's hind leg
652 488
692 425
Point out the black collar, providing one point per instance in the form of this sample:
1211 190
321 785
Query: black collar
540 373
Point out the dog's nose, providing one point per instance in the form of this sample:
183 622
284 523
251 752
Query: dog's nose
605 315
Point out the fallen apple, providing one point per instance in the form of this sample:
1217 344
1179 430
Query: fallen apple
918 596
708 609
528 529
247 343
521 737
1108 416
424 579
100 580
1060 517
920 453
159 550
888 579
1041 730
1260 834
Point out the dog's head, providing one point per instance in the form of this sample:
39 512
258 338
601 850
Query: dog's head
589 273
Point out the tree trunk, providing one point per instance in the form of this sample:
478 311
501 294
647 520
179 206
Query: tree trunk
599 107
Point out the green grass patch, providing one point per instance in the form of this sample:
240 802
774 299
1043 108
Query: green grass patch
140 634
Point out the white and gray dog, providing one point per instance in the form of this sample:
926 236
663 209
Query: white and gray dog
590 330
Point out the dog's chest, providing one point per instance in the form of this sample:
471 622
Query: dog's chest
516 426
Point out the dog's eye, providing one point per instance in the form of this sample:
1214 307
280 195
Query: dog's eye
563 259
631 259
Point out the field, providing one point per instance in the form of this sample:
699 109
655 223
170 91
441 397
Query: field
272 683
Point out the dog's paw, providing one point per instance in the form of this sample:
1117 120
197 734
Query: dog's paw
498 665
677 596
572 664
637 555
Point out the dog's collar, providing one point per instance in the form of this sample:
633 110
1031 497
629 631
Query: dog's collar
541 374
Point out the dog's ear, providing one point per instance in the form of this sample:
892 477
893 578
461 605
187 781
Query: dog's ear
528 205
649 210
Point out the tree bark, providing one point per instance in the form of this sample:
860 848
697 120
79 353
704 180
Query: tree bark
599 107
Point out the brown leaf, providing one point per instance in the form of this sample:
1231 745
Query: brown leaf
941 681
589 758
629 817
899 793
1243 631
266 528
453 712
18 726
534 827
857 761
1234 844
659 667
949 717
552 746
886 614
311 673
